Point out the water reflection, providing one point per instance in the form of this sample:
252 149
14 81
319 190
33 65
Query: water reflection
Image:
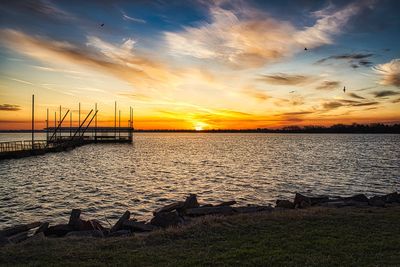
105 180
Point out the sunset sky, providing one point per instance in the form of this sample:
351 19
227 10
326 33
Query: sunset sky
202 64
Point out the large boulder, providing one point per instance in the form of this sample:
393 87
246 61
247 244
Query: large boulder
166 219
377 201
58 230
251 209
191 202
286 204
223 210
301 201
170 207
18 229
89 233
358 197
392 198
119 224
226 203
135 226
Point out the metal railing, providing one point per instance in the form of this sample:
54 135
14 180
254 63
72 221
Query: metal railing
22 145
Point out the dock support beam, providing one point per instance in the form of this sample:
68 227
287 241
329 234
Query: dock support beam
33 121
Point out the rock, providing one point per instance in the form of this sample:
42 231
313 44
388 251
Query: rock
120 233
74 218
301 201
286 204
377 201
359 198
224 210
18 237
343 203
58 230
18 229
170 207
250 209
90 225
318 200
90 233
166 219
120 222
138 226
392 198
42 228
206 206
36 237
191 202
3 241
226 203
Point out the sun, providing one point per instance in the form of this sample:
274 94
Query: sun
199 126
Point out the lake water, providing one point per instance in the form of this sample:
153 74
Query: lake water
104 180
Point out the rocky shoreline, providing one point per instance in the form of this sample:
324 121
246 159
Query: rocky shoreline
176 214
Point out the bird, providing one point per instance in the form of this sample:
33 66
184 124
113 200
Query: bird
305 49
102 25
291 92
344 89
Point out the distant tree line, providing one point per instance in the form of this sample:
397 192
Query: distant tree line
337 128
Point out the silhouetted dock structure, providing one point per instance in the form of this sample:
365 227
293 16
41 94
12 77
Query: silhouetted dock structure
61 138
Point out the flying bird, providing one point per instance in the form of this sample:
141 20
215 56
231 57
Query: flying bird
344 89
291 92
305 49
102 25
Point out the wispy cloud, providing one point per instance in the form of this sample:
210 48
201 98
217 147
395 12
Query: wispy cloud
385 93
353 95
9 107
390 72
129 18
328 85
355 60
286 79
247 38
334 104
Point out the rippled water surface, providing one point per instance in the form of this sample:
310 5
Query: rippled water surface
104 180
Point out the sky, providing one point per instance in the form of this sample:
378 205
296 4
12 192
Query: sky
201 64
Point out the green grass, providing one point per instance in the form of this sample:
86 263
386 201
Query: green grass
312 237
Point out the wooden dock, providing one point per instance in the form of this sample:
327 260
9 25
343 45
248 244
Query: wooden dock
59 138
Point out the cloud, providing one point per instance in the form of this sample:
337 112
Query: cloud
329 105
353 95
297 113
286 79
9 107
355 60
247 38
328 85
117 60
390 72
385 93
255 93
129 18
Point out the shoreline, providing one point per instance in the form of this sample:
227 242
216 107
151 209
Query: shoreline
316 236
180 213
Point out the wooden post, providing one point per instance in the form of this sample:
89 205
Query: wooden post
59 121
95 122
55 124
47 126
115 119
79 115
70 124
33 121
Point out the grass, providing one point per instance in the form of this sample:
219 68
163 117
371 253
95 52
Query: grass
312 237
